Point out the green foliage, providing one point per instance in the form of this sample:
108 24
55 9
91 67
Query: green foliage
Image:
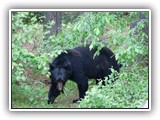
21 55
24 40
130 91
131 88
31 52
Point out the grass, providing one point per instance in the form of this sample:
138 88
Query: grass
36 96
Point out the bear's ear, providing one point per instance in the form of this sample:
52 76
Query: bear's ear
51 66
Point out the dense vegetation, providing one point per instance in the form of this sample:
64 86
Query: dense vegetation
31 51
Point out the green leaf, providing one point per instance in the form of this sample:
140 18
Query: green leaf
85 43
24 39
26 87
91 47
97 31
39 66
20 64
30 41
23 78
31 99
107 21
18 78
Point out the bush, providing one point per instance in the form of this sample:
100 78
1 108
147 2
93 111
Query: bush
129 91
131 88
25 58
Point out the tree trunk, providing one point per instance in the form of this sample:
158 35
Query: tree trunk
49 16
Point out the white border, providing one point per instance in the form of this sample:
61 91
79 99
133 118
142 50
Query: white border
107 10
12 109
10 60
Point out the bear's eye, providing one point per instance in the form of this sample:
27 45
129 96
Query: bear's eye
66 67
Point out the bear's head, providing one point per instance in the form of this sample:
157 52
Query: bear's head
60 71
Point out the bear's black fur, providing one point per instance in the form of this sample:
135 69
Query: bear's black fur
78 65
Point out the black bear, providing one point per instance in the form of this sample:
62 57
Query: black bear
79 65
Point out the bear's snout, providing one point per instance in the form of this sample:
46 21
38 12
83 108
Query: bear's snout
60 86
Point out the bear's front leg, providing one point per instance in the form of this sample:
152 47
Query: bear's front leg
53 93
